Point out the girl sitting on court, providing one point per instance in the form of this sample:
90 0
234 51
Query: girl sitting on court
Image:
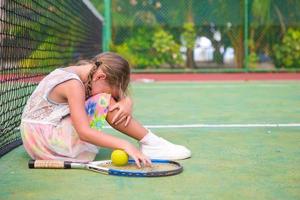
64 117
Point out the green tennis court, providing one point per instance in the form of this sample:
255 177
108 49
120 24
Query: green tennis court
244 136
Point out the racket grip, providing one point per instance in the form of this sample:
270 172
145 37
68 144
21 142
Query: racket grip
49 164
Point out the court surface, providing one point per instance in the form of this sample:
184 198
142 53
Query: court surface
244 136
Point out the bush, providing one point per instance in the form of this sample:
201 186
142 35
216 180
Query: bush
287 53
138 49
168 51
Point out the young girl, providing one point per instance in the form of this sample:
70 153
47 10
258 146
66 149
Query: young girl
64 116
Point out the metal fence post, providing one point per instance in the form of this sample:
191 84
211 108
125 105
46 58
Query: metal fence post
246 28
107 25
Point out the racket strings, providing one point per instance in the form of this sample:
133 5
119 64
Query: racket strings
156 167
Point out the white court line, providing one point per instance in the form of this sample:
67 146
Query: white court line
206 86
220 125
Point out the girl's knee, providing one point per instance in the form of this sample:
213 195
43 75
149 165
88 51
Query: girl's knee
99 101
97 108
101 98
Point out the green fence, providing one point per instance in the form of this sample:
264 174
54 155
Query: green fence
244 34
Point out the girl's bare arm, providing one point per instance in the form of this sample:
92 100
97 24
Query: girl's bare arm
75 94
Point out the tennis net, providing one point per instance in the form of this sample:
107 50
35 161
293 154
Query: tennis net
35 38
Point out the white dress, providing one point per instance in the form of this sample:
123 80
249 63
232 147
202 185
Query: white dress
46 127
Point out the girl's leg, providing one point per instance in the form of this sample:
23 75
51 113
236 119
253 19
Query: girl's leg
97 110
134 129
151 145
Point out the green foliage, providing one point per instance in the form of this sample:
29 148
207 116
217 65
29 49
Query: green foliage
261 12
189 34
150 48
168 51
287 53
138 49
252 57
189 37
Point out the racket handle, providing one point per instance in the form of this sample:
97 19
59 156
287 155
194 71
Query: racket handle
49 164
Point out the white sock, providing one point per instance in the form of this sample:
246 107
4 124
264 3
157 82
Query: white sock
150 138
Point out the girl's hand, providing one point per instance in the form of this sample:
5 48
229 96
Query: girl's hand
137 156
124 107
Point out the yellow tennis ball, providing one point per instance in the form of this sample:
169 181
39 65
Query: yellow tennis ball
119 157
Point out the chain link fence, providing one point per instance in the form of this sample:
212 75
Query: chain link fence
205 33
274 33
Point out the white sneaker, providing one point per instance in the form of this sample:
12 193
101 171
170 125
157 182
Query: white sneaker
158 148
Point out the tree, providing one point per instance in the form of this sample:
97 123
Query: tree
270 19
189 36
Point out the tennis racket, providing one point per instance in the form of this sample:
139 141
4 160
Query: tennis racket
158 168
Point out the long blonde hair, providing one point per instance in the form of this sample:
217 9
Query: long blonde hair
115 67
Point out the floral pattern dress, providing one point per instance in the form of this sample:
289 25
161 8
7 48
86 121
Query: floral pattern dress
46 127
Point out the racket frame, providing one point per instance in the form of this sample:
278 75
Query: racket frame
96 167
